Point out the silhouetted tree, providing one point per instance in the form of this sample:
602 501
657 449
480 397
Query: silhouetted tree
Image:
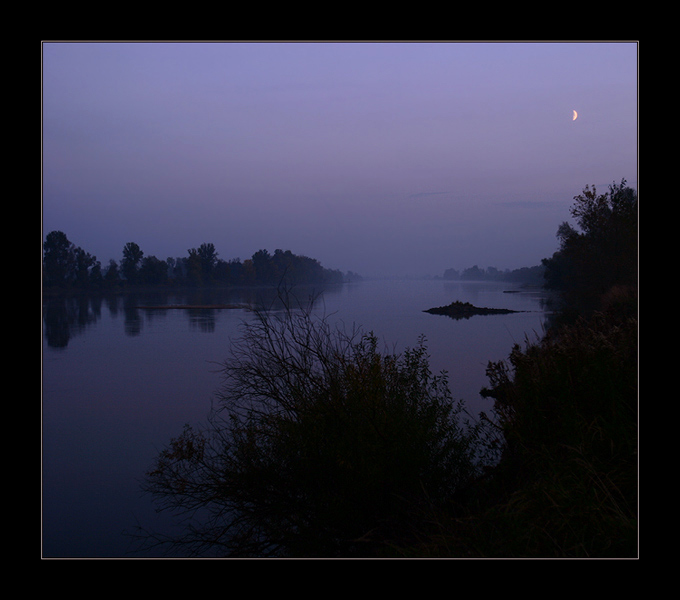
473 273
263 267
132 257
112 275
208 258
67 265
153 271
600 254
84 262
58 259
248 274
176 269
95 277
194 268
222 271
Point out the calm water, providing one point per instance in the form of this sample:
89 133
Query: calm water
118 382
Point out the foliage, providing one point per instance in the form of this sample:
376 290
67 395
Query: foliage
132 257
320 445
585 376
566 484
568 409
599 255
68 266
567 406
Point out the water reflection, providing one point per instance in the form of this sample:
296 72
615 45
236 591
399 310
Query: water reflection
133 318
65 317
202 319
131 378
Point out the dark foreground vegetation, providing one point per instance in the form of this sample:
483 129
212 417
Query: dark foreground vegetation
320 445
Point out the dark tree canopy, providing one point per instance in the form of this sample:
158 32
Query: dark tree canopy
68 266
596 263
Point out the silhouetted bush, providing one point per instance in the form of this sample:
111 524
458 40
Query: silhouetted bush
319 445
566 485
568 409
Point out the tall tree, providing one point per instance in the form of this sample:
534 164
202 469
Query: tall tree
194 268
112 275
58 259
263 266
208 258
65 264
153 271
84 263
599 254
132 257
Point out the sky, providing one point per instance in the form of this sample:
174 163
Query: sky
383 158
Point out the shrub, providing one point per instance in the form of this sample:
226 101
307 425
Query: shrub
319 445
568 409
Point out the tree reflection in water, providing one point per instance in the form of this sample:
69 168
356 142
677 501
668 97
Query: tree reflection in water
67 316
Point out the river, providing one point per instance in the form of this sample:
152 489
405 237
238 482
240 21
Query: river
119 381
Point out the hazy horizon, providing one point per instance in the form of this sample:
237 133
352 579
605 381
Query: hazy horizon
387 159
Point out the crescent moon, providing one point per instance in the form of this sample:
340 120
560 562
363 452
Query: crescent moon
575 115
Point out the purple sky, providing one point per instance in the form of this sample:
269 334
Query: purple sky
380 158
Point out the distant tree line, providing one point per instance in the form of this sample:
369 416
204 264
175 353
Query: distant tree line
533 275
67 266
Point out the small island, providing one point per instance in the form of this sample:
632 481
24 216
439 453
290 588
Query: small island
465 310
